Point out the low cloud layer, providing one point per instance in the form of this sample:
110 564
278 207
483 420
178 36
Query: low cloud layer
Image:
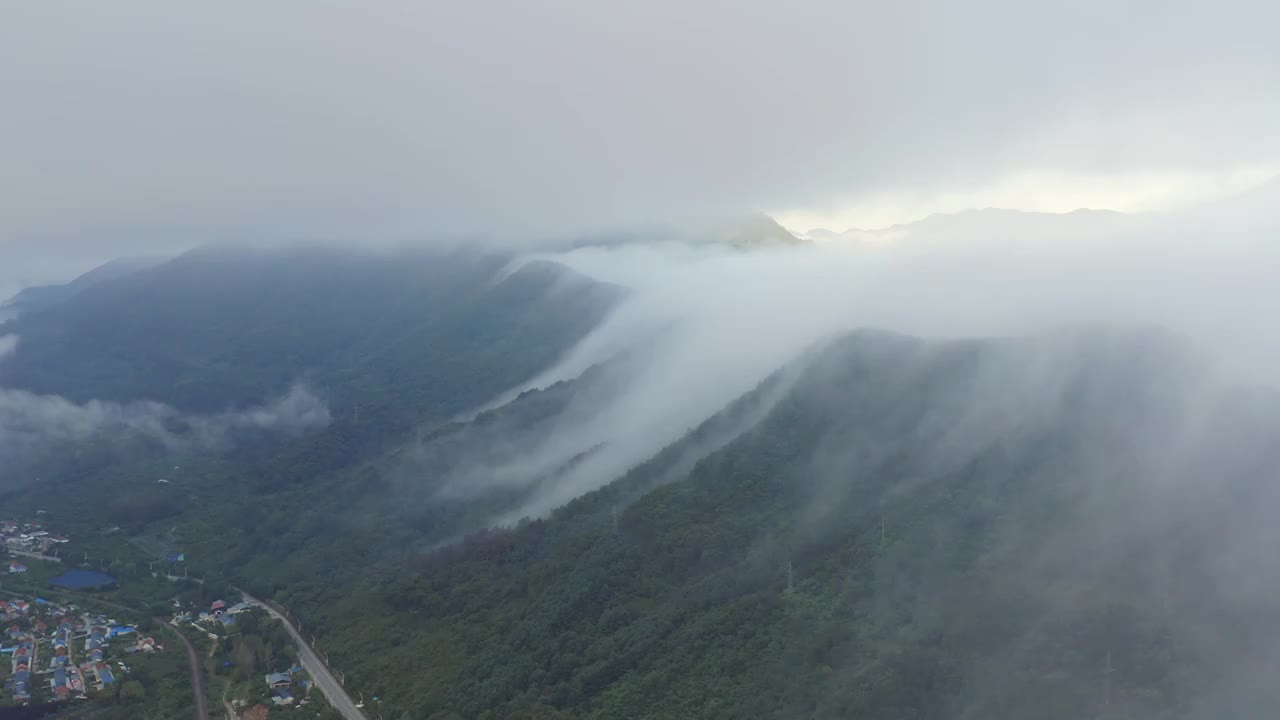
31 423
711 324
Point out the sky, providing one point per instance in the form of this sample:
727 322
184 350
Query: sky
144 126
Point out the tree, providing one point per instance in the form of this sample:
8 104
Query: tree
132 692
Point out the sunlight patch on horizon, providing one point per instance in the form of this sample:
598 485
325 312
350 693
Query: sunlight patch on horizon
1031 192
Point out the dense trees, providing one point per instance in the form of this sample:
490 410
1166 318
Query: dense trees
844 558
914 530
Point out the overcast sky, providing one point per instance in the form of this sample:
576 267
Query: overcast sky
142 126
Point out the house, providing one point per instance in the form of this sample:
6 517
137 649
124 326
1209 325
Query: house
282 697
279 680
218 607
104 674
227 620
17 567
20 680
59 683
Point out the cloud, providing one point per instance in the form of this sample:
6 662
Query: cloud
144 124
705 325
31 423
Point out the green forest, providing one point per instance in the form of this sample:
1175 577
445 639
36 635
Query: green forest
869 547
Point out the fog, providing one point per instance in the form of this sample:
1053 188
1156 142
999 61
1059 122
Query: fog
703 325
1139 353
144 127
31 423
1113 444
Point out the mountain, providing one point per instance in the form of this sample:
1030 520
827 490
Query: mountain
908 529
1076 524
745 232
412 331
43 296
754 231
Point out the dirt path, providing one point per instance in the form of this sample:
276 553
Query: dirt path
197 677
231 712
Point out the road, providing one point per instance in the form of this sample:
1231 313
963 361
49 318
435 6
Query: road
319 672
197 677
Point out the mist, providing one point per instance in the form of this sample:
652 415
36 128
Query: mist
31 424
705 325
145 128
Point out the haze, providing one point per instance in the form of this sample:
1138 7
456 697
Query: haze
144 126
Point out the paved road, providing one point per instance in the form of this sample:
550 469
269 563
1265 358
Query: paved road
324 679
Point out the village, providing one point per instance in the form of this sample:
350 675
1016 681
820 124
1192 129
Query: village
30 540
62 652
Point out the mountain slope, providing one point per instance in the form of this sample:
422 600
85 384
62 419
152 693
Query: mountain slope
414 332
996 529
43 296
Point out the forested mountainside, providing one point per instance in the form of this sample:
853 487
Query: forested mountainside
225 327
886 528
386 340
993 529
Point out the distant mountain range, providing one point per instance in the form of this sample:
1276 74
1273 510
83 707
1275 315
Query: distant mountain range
1250 208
